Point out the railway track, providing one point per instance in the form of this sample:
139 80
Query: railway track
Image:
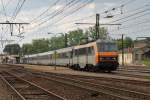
21 89
70 86
133 69
91 78
133 95
105 88
132 74
100 94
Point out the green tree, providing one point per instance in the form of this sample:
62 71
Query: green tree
148 41
128 42
27 49
12 49
92 33
57 42
75 37
37 46
40 45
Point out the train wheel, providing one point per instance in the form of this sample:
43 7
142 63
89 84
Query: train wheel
77 67
109 71
86 68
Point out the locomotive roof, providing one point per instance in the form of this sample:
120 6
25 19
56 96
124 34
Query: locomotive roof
104 41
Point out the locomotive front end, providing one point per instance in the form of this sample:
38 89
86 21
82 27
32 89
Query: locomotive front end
107 56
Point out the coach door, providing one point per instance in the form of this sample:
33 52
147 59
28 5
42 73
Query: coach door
82 57
90 55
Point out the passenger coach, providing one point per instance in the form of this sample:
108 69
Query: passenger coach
100 55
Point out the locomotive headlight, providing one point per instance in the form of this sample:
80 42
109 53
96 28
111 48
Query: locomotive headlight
114 58
100 58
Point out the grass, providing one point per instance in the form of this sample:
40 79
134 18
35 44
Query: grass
146 62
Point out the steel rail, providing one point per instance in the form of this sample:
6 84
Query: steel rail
134 75
32 84
12 88
91 89
86 88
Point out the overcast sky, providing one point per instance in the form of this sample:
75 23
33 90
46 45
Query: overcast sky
40 25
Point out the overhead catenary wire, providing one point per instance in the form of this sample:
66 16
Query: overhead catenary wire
60 11
132 25
81 19
45 11
75 10
131 11
84 18
103 12
121 5
4 9
134 18
13 14
72 12
70 21
73 21
131 15
19 9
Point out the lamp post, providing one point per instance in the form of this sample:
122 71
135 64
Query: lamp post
55 52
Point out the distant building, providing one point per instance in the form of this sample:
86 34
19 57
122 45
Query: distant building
13 59
135 55
141 51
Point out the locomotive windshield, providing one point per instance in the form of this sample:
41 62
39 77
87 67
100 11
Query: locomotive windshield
107 47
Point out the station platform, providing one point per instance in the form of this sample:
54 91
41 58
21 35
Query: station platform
65 70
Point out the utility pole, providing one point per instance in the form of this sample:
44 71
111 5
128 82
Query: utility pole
122 49
97 26
66 40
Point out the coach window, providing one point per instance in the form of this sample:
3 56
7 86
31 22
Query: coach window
82 51
76 52
71 54
63 55
68 54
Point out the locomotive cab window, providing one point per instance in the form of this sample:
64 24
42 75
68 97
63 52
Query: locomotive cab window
107 47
